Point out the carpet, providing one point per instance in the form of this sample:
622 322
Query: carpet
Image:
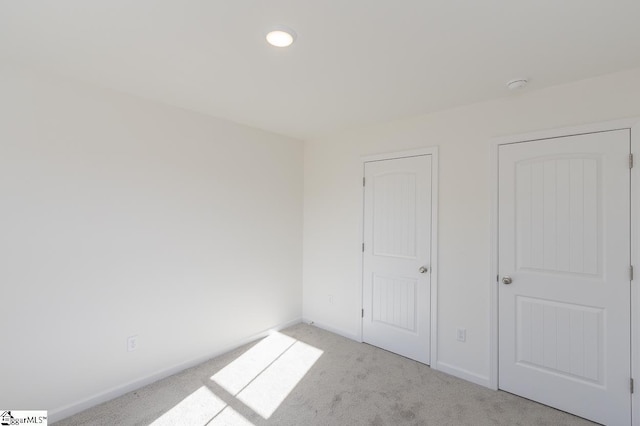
308 376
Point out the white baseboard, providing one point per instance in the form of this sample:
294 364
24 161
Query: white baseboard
60 413
441 366
463 374
333 330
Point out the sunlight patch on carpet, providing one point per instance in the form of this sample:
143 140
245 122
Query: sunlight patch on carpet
265 394
202 408
265 375
229 416
240 372
196 409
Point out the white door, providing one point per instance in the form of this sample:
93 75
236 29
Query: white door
564 265
397 254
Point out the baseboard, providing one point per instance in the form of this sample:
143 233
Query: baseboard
60 413
333 330
463 374
441 366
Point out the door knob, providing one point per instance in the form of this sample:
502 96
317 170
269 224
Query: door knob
423 269
506 279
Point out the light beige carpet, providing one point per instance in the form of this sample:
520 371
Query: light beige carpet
308 376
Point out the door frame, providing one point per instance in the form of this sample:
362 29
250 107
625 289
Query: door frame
433 151
633 125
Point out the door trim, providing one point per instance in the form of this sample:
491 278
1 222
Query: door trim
633 125
433 151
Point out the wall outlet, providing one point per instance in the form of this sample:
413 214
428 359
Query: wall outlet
132 343
461 334
331 299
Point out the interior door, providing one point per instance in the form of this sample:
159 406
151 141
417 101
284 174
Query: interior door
564 265
396 256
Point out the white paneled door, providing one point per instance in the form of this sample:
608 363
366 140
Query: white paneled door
564 273
397 255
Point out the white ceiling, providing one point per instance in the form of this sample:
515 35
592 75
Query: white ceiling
355 62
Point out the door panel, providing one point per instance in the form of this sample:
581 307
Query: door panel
394 302
559 197
560 338
397 237
564 239
394 213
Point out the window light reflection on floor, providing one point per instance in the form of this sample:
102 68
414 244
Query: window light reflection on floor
196 409
201 408
241 371
229 416
265 375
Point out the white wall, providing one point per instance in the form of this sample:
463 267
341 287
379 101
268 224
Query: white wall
124 217
120 216
333 191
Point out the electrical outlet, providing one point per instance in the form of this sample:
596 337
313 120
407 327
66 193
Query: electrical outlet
462 334
132 343
331 299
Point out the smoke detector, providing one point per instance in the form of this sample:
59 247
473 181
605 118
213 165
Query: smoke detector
518 83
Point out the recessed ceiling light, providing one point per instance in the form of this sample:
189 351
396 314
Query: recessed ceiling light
518 83
281 36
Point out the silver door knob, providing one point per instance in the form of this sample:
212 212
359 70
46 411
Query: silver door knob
506 279
423 269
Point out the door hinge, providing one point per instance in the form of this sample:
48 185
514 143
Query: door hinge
631 385
498 278
631 272
631 161
362 312
363 247
363 180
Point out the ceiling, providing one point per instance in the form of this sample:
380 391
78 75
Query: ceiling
355 62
